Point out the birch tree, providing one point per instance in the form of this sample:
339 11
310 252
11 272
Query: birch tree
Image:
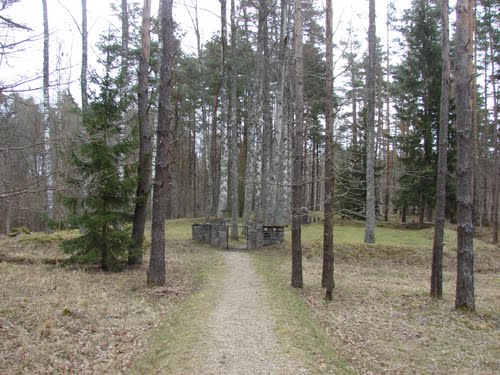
46 113
83 76
223 182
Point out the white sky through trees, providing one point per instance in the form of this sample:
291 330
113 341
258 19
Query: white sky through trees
65 42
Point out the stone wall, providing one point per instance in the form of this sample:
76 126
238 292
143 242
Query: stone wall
215 233
273 234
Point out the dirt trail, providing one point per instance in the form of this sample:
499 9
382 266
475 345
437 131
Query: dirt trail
240 336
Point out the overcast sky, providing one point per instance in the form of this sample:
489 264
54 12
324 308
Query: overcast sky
65 42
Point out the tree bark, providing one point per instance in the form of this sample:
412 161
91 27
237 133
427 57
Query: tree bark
437 248
297 152
263 36
145 144
327 280
223 182
496 129
156 272
83 77
465 229
47 156
234 128
277 163
370 129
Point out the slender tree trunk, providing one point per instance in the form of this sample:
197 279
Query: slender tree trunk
234 128
465 229
496 129
250 168
124 78
214 160
387 178
327 280
354 130
223 183
266 113
145 145
437 249
370 128
297 152
47 157
84 57
276 189
496 182
252 208
157 271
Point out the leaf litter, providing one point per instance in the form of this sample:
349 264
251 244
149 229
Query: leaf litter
76 320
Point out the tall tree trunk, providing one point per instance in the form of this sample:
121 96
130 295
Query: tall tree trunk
250 167
145 144
496 129
214 160
387 177
297 152
465 230
263 37
221 208
47 156
276 177
437 248
124 77
252 208
370 129
156 272
83 77
327 280
234 128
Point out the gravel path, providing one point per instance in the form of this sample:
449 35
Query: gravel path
240 337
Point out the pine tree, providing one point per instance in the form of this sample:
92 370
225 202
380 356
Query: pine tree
370 130
464 298
437 248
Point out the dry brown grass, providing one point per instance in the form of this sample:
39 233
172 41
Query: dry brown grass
57 320
382 320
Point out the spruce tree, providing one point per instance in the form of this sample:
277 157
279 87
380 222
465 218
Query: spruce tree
108 197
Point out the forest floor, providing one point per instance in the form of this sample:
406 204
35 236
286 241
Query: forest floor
234 312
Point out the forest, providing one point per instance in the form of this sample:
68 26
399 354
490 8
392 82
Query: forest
359 129
387 135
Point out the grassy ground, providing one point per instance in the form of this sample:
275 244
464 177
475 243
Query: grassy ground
382 319
57 320
76 320
302 337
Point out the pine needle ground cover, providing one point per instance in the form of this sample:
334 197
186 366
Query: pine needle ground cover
382 319
62 320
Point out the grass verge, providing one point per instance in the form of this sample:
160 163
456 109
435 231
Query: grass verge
296 328
169 348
